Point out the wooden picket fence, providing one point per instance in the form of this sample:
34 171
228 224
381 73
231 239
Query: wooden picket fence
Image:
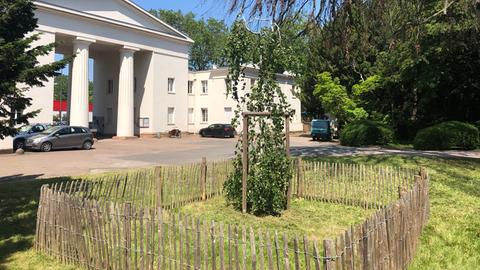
123 222
165 186
371 187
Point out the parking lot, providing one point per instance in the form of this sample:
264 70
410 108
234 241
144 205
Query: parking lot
109 155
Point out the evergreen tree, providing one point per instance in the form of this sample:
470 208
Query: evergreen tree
19 68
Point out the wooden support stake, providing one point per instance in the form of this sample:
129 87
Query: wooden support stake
159 183
299 177
203 178
244 163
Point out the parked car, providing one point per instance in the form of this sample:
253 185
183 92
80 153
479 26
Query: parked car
26 132
321 130
61 137
218 130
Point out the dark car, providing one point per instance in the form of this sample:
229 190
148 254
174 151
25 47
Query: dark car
218 130
26 132
321 130
61 137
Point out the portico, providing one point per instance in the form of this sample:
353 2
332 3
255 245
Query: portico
79 92
133 52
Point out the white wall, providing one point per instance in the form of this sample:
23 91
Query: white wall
169 67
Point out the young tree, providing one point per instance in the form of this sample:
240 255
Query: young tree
269 170
19 68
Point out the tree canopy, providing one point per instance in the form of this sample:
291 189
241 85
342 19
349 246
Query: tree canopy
210 37
406 63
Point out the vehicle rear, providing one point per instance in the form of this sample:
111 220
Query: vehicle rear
320 130
228 131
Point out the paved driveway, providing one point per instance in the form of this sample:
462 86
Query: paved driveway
111 155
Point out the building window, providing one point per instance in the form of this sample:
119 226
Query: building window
204 115
252 82
171 85
110 87
171 116
190 87
294 115
144 122
294 93
204 87
228 114
15 115
109 116
191 116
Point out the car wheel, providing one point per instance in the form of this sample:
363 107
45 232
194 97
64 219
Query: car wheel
202 133
87 145
46 147
18 144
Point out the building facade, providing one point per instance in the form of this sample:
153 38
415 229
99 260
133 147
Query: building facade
208 102
140 71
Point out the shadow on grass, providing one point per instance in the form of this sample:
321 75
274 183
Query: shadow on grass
19 196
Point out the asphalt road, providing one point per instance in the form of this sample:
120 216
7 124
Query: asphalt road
109 155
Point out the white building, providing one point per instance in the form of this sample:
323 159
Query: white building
208 103
140 71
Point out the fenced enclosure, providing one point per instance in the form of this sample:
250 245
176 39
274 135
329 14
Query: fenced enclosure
127 220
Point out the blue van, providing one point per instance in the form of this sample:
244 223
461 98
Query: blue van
321 130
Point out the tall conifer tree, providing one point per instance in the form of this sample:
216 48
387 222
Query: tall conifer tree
19 67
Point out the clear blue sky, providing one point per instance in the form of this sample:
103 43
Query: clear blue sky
202 8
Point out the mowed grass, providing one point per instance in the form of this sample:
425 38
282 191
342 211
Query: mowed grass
451 239
316 220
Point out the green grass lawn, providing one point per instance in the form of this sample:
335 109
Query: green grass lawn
317 220
451 240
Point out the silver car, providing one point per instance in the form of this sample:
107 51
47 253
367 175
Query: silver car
26 132
61 137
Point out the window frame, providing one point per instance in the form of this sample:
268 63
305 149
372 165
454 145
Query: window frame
172 89
204 119
144 122
109 87
190 87
192 120
204 87
173 116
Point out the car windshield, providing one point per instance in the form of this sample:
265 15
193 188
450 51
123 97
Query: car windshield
50 130
25 128
320 124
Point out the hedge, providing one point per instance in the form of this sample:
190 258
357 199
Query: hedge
447 135
366 132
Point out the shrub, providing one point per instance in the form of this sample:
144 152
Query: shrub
447 135
366 132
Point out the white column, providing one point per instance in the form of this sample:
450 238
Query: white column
125 121
79 92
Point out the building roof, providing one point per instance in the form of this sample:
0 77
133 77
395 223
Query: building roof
250 71
155 25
